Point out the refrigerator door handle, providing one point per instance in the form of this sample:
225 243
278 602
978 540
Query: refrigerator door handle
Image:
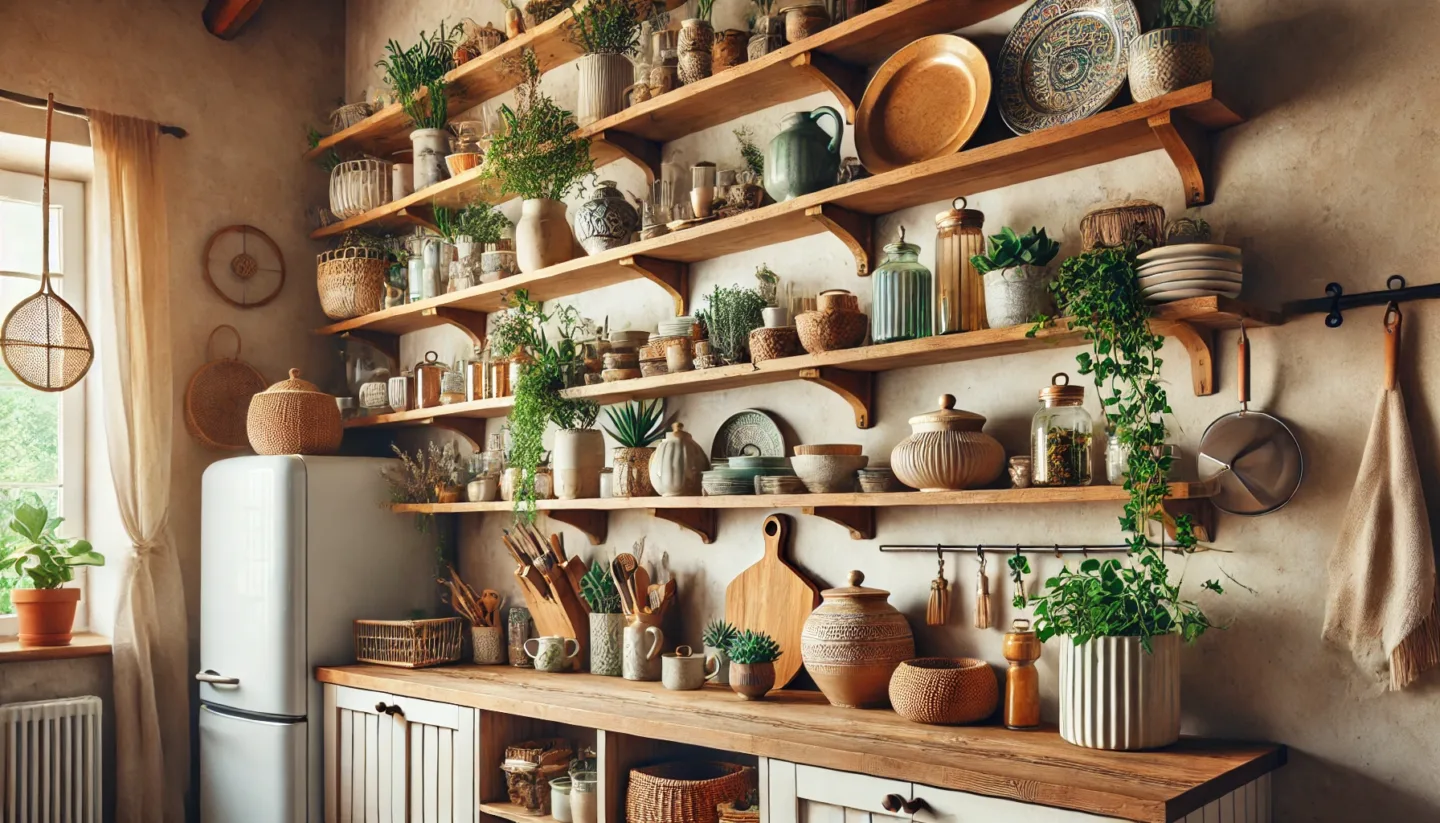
214 678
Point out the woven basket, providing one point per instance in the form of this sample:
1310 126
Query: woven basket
357 186
293 417
771 344
656 348
944 691
348 115
1120 224
685 791
408 644
529 767
351 281
830 330
218 397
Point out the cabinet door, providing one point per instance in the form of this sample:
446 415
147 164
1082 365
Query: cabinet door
949 806
806 794
441 761
364 758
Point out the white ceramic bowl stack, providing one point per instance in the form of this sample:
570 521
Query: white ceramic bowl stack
1187 270
676 327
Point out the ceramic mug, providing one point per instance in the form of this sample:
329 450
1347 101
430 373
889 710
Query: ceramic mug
641 653
550 653
684 670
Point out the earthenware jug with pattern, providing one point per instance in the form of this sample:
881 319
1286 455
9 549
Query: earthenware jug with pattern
803 157
853 642
606 643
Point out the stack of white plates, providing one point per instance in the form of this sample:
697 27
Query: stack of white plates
1190 270
676 327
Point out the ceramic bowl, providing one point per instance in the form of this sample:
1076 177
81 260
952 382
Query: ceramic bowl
751 462
462 162
779 484
612 375
828 473
848 449
879 480
628 340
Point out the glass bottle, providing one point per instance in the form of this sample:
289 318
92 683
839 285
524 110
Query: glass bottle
452 384
1061 435
959 291
901 290
1022 679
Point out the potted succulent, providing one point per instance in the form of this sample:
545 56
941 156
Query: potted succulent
730 314
1017 284
752 664
1176 52
33 553
697 35
416 76
635 426
718 636
538 157
607 624
609 32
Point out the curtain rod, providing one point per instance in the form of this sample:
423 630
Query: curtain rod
74 111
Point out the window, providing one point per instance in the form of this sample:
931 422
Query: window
41 433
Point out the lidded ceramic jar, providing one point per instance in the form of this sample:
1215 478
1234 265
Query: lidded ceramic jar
900 297
853 642
607 220
1061 436
293 417
947 451
677 464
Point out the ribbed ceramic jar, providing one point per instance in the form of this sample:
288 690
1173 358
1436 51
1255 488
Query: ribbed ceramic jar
677 464
1114 695
901 295
947 451
853 642
601 92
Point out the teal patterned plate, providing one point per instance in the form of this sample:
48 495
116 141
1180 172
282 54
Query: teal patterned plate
1064 61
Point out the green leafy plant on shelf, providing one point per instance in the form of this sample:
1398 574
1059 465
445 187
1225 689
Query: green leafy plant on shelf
730 314
1009 249
751 647
598 589
1198 14
637 424
481 222
610 26
719 634
34 554
1099 291
416 75
704 10
750 153
538 153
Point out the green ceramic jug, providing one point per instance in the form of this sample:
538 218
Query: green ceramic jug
803 158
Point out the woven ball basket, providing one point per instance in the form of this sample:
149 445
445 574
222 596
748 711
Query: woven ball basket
831 330
944 691
685 791
1120 224
293 417
351 281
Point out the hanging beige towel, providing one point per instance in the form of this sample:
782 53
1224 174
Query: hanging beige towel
1381 603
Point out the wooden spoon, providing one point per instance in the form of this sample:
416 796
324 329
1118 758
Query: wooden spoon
628 564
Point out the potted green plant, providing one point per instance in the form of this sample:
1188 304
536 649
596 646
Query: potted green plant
1124 620
717 637
475 230
635 426
1175 53
697 35
1017 282
607 624
748 193
730 314
609 32
752 664
43 562
416 76
538 157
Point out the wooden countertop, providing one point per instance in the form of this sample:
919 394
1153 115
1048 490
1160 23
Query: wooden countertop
1033 767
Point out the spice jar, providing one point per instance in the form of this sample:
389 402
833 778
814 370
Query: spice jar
1022 680
476 375
452 384
427 381
900 295
517 632
959 290
1061 434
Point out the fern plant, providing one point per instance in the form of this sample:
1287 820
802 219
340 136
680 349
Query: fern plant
422 67
751 647
750 152
719 634
538 154
636 424
598 589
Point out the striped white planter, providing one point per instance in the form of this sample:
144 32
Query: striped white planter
1114 695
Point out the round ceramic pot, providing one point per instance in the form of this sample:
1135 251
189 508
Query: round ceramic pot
603 79
607 640
632 472
752 681
46 616
429 147
577 458
722 659
677 464
944 691
1169 59
947 451
1016 295
542 235
803 158
853 642
1114 695
487 644
607 220
483 489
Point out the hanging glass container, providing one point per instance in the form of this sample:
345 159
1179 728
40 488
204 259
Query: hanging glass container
901 290
1061 435
959 291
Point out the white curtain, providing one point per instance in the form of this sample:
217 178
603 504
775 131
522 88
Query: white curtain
152 714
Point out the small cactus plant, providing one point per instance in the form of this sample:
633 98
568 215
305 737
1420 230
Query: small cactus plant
598 589
719 634
751 647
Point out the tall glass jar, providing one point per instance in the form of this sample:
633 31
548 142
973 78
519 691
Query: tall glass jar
959 291
901 290
1061 436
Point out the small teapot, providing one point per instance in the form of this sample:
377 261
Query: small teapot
803 158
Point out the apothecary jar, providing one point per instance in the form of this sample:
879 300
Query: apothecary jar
900 295
1061 436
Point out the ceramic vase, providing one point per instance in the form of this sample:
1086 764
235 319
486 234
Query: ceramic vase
677 464
1115 695
947 451
640 648
1169 59
603 79
768 36
542 235
576 461
607 640
487 645
853 642
632 472
429 147
752 681
722 658
1015 295
803 158
696 38
46 616
606 220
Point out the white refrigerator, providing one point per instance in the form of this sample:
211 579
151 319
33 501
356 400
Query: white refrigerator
293 550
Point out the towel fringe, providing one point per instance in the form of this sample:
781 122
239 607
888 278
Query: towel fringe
1419 651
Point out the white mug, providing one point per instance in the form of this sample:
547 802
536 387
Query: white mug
550 653
684 670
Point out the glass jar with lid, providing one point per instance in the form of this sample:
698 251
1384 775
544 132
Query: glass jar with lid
1061 436
901 290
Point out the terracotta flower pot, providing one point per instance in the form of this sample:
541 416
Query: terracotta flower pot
752 681
46 615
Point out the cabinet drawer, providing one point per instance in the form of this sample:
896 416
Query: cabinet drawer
950 806
852 791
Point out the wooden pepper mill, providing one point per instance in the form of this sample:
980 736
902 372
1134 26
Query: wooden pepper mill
1022 681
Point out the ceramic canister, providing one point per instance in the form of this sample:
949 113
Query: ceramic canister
947 451
677 464
853 642
900 297
684 670
488 645
606 643
606 220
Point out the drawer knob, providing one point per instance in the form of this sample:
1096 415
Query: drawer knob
388 708
893 803
914 805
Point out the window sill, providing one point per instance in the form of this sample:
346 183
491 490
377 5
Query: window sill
85 644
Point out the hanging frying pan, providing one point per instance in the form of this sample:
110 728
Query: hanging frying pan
1252 456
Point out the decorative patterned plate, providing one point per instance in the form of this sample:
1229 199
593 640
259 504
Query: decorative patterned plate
748 433
898 122
1064 61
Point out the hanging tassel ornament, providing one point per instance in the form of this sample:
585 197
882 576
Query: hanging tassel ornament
938 610
982 595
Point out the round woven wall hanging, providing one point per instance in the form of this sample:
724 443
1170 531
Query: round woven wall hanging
218 397
244 266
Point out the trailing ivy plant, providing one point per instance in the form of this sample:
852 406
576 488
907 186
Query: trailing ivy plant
730 314
422 66
1099 291
1198 14
610 26
538 153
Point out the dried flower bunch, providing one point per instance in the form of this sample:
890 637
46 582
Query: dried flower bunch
418 479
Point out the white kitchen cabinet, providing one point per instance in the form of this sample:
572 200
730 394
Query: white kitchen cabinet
391 759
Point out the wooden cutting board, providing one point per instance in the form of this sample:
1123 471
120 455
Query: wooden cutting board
772 596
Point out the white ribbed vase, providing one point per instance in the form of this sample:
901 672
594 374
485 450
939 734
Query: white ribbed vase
603 78
1114 695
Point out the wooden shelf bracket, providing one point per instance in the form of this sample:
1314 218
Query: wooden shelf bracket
860 520
669 275
595 524
470 322
853 229
1199 343
845 81
856 388
1189 148
643 153
420 215
700 521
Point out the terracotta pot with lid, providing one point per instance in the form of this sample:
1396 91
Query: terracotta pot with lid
853 642
293 417
947 451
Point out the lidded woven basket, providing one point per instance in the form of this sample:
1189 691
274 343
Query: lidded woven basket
293 417
351 281
685 791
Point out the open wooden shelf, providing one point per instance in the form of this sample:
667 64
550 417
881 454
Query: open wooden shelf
514 812
418 208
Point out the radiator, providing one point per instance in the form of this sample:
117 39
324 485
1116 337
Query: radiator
50 760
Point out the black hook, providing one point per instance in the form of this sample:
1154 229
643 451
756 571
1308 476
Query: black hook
1394 282
1057 551
1334 291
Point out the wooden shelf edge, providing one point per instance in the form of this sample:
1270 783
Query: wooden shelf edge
513 812
83 644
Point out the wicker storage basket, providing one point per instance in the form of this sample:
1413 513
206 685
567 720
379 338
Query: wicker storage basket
408 644
357 186
293 417
773 343
944 691
218 396
685 791
351 281
830 330
529 767
1120 224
